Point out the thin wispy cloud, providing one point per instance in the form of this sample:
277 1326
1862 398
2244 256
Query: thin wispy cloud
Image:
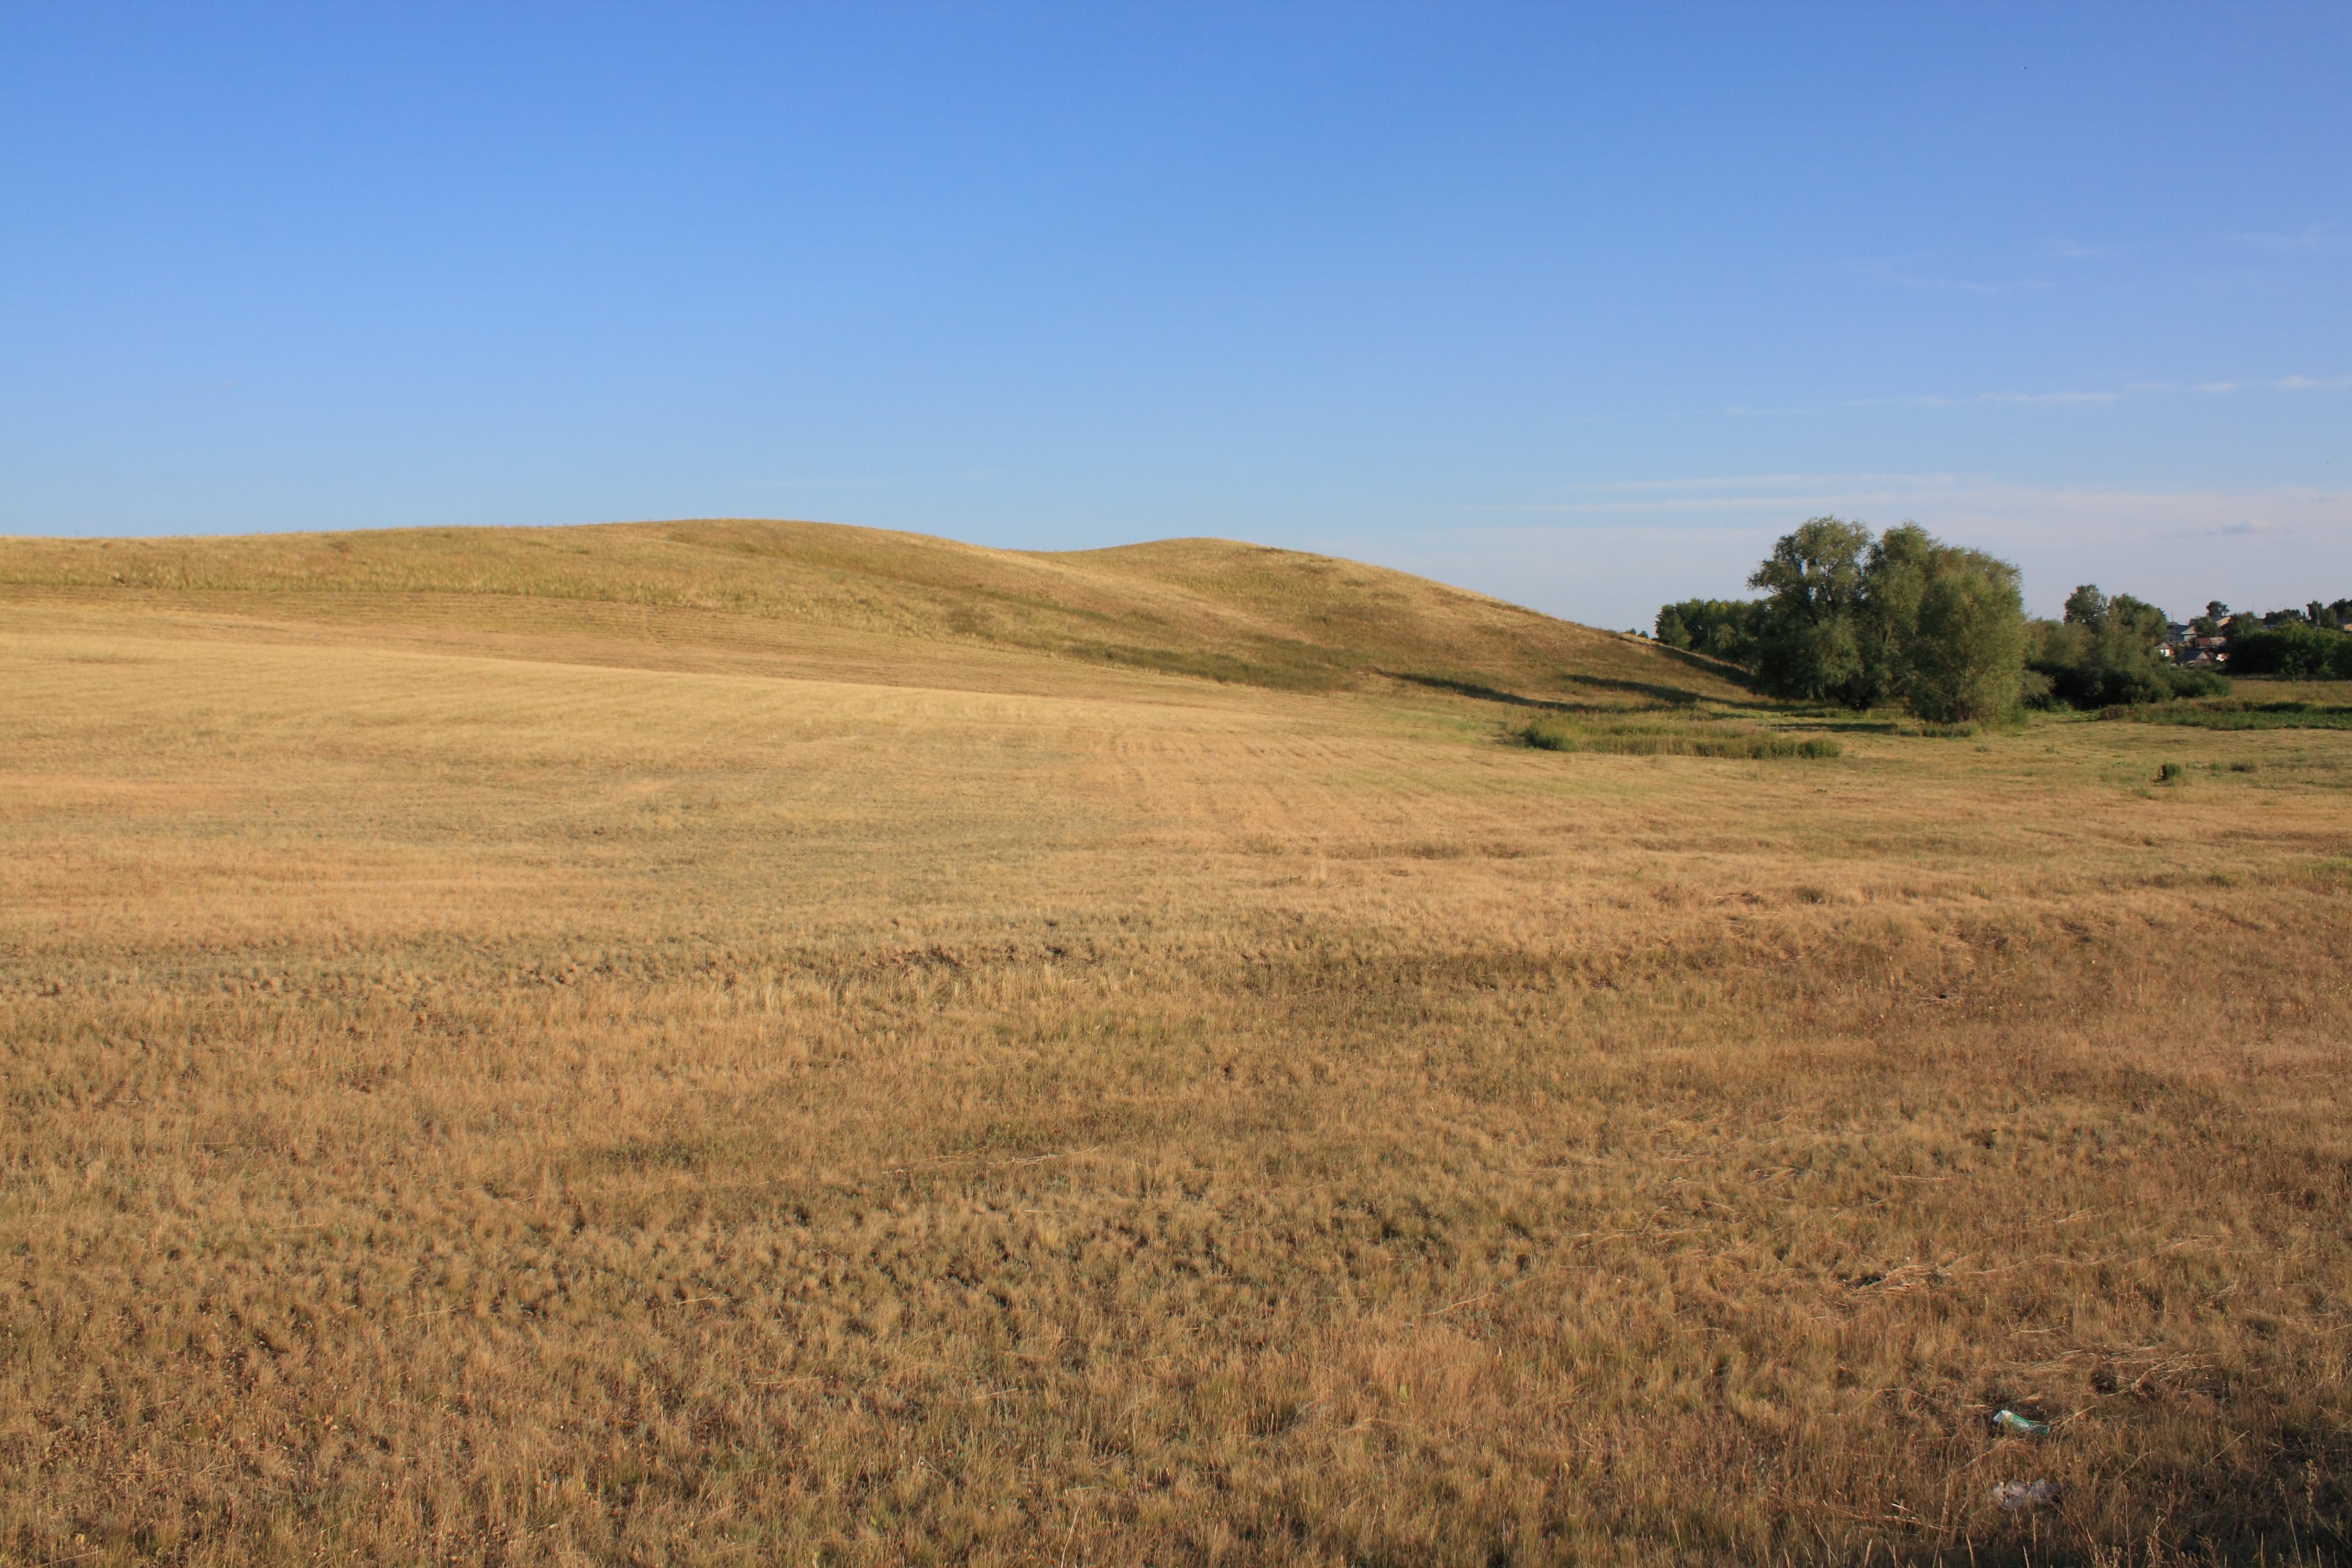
1790 505
1980 500
1750 481
1931 400
1788 493
1894 276
2047 397
2323 239
2282 383
2137 388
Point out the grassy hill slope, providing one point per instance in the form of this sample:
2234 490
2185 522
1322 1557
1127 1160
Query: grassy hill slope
1197 607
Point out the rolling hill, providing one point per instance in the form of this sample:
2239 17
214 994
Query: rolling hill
1206 608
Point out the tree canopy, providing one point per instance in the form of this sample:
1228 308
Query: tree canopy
2294 649
2106 652
1720 628
1862 620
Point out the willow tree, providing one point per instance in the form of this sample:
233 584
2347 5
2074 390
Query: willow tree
1861 621
1966 655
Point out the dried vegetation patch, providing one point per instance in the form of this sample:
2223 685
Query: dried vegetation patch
471 1105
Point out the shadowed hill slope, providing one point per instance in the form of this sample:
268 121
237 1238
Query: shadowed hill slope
1206 608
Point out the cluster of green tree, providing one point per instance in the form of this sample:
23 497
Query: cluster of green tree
2218 620
1862 621
2108 652
1720 628
2297 648
2308 644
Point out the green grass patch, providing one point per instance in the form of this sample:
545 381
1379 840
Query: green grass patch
1640 738
2238 715
1301 672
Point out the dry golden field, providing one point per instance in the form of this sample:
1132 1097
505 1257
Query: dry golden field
526 1063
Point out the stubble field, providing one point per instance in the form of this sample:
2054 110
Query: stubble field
583 1095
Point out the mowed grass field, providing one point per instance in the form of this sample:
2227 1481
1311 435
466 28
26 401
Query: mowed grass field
501 1070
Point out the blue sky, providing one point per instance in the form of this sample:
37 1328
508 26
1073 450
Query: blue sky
1578 305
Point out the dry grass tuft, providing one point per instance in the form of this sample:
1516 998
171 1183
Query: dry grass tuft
534 1087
